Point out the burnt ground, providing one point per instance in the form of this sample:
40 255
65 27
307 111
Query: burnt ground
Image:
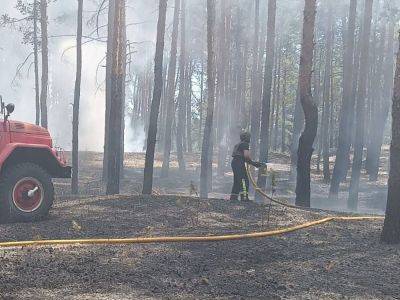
337 260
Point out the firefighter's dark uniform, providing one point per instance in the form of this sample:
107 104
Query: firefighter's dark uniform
240 178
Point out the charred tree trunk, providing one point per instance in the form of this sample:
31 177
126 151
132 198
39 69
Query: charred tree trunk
180 129
391 228
342 153
109 62
327 95
45 64
303 189
255 101
221 92
170 98
155 103
117 85
36 61
266 97
77 96
298 123
206 150
360 108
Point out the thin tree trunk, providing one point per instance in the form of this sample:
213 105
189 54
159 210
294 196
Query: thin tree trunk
283 132
36 61
266 97
109 62
391 228
77 95
360 108
255 101
155 103
221 92
206 151
327 95
170 98
181 96
188 92
382 112
277 101
45 64
305 150
117 85
340 168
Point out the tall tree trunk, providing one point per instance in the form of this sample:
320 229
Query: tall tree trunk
170 98
117 85
109 62
255 101
283 132
45 64
77 96
342 153
221 93
298 123
206 150
36 61
391 228
277 101
180 129
360 108
155 103
266 97
382 112
188 96
327 95
303 189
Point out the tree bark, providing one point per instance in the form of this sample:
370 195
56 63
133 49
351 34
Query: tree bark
305 150
277 101
206 151
342 153
45 64
360 108
382 111
222 79
327 95
36 61
171 92
155 104
255 101
283 132
266 96
77 95
188 96
117 85
391 227
180 124
109 62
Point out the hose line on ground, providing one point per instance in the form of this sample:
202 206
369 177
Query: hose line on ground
181 239
192 239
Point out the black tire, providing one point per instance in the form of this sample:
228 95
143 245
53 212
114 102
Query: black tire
15 204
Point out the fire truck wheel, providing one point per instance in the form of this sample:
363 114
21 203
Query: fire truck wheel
27 193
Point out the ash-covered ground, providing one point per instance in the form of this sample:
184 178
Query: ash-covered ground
333 261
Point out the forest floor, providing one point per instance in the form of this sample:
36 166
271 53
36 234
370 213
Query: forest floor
332 261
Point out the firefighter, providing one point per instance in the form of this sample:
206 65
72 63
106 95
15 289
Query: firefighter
241 156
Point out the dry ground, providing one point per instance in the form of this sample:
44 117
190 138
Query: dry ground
332 261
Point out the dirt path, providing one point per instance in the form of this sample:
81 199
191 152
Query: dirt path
332 261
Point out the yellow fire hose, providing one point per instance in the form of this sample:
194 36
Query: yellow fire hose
180 239
190 239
